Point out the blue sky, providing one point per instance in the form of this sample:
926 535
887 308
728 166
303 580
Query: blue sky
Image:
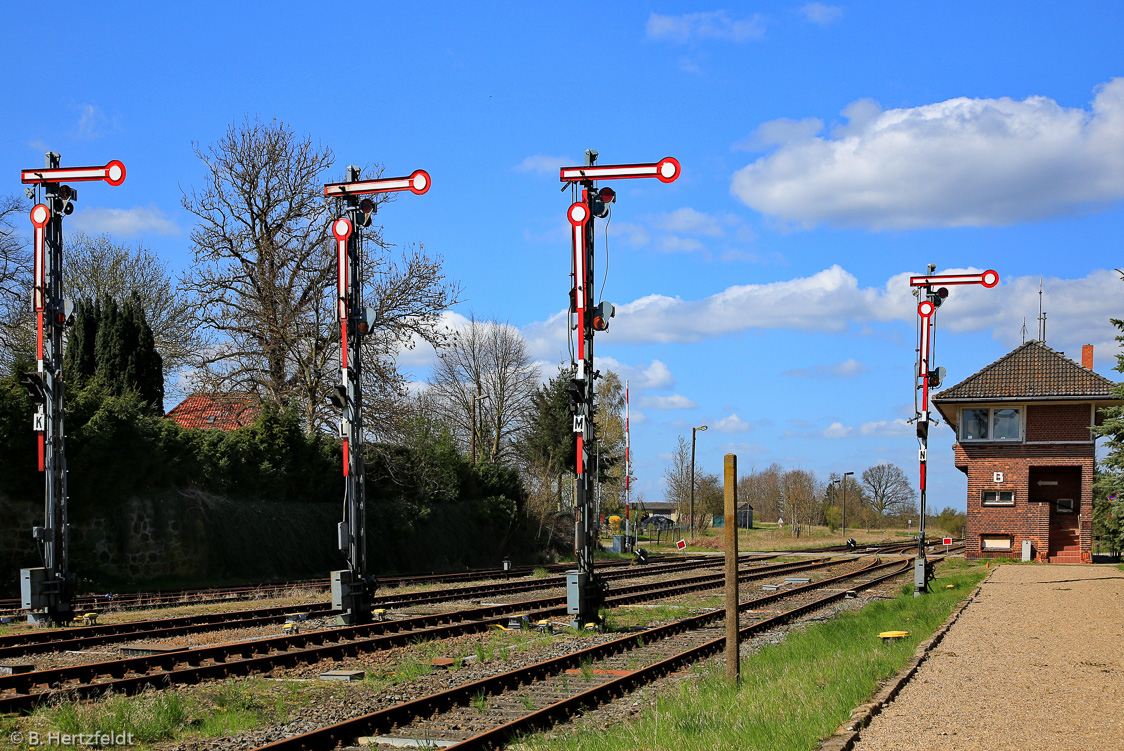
828 151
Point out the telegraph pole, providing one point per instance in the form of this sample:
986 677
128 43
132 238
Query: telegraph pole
927 377
47 591
584 591
352 587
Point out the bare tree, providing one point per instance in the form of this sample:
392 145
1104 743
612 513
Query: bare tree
609 422
17 332
677 479
486 362
800 490
889 491
763 491
99 267
265 277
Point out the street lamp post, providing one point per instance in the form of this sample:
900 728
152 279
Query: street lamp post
475 397
832 485
693 431
845 474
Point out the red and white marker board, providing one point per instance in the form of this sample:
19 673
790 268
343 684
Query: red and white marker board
681 544
665 170
40 215
417 183
948 541
113 173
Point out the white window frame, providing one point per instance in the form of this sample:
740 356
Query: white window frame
998 498
996 541
1021 408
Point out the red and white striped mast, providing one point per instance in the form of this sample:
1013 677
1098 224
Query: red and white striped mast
926 377
627 467
584 591
351 587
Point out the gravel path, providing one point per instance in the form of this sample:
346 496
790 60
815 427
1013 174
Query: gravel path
1035 662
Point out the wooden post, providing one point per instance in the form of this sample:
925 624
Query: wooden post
733 645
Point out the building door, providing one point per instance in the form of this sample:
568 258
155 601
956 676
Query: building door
1060 489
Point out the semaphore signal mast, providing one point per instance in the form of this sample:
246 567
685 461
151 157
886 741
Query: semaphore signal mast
584 591
352 587
47 590
927 377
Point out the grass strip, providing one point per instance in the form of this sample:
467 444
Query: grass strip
792 694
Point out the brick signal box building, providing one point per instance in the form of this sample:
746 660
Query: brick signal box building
1023 438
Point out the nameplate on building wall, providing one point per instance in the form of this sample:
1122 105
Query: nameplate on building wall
997 477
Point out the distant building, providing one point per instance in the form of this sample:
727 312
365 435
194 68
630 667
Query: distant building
1023 439
215 411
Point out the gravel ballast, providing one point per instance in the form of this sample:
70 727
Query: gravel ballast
1036 661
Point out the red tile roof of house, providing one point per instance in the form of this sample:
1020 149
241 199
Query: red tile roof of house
1032 372
215 411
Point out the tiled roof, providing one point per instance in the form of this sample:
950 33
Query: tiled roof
1031 371
215 411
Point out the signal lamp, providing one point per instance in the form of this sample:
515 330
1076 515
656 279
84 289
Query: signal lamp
607 194
367 207
66 192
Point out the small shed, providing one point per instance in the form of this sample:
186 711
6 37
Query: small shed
744 520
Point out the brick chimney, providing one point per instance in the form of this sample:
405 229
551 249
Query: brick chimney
1087 356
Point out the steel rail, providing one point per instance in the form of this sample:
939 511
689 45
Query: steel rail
385 720
260 655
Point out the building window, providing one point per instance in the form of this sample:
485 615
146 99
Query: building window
998 497
995 542
1065 505
991 424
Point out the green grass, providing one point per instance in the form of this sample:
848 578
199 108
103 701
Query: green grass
792 694
155 717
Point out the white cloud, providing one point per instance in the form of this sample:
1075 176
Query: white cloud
732 424
832 301
849 368
711 25
135 221
92 122
741 448
543 165
821 14
837 430
674 401
39 145
654 376
961 162
894 427
674 244
688 221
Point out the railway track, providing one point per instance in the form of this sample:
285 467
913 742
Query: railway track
489 713
25 690
11 606
31 642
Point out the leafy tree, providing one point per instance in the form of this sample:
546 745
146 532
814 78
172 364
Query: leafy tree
113 346
1108 506
609 420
